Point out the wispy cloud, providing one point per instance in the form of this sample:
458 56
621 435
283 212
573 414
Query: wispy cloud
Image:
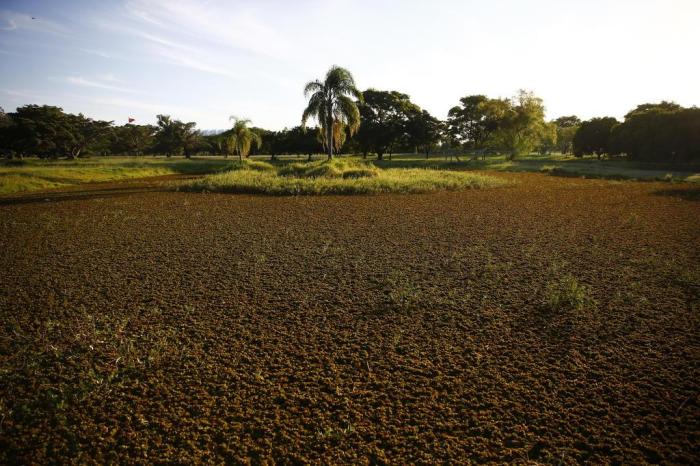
86 82
154 108
14 21
174 52
241 27
99 53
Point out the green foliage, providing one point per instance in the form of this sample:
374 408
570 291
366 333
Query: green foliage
470 124
133 139
33 174
567 294
659 132
175 137
520 122
566 129
423 130
385 116
48 132
242 138
330 103
338 176
593 136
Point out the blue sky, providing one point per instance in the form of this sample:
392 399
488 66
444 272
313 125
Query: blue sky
206 60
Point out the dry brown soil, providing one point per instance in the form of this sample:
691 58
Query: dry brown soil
144 325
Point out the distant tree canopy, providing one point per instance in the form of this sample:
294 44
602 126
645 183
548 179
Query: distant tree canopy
48 132
566 129
514 125
132 139
593 136
175 137
469 124
664 132
374 122
384 116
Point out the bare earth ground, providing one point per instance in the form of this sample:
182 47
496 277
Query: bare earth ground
143 325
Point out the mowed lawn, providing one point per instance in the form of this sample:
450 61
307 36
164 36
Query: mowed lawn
165 326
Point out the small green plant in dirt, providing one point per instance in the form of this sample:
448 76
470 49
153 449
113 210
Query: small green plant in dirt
400 294
567 294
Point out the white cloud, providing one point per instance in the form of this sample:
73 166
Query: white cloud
81 81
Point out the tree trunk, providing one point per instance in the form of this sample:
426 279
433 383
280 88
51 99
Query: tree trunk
329 141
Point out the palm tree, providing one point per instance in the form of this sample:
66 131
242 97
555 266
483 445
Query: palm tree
330 103
243 137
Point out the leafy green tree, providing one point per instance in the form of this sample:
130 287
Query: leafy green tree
330 103
175 137
424 131
566 129
594 137
548 138
133 139
385 116
469 123
664 132
520 122
47 131
81 133
243 137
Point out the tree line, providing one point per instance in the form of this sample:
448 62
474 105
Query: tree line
374 122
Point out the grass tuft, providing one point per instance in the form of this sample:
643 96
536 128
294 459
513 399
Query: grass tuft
340 176
567 294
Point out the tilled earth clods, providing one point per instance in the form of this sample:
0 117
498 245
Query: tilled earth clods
155 326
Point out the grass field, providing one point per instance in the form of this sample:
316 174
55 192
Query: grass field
552 320
339 176
37 175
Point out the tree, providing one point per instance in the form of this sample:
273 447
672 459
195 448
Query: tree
548 138
81 133
384 116
133 139
330 103
593 137
566 129
243 137
519 122
664 132
47 131
339 137
173 136
423 131
470 124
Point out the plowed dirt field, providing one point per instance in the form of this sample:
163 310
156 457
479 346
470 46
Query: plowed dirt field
144 325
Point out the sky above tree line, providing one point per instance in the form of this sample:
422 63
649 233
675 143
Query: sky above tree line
206 60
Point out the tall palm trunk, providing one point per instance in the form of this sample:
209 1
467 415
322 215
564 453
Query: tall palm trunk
329 141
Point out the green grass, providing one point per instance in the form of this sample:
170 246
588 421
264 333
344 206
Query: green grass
339 176
405 173
567 294
36 174
557 165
